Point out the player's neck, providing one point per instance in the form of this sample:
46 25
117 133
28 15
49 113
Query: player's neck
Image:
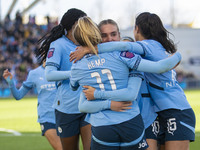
69 36
141 38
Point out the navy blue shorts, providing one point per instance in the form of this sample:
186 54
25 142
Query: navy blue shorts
127 135
153 130
68 125
176 125
46 126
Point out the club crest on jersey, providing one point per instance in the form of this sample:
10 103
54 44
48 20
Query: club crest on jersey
50 53
127 54
42 127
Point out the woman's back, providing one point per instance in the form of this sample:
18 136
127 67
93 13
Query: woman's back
106 68
164 87
108 71
46 94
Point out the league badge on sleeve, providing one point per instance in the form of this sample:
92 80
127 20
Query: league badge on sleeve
127 54
50 52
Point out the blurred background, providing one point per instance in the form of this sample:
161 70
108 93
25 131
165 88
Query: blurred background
23 22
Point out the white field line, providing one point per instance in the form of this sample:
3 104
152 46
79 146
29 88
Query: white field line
29 134
11 131
15 133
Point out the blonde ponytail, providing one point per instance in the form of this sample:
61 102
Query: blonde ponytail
86 33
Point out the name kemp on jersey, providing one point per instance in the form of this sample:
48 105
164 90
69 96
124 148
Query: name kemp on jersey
96 63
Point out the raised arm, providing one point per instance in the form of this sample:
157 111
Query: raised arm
120 46
161 66
52 74
107 47
17 94
145 65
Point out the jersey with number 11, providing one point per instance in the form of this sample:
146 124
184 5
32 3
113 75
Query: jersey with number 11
107 71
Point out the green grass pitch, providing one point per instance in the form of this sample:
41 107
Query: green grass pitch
21 118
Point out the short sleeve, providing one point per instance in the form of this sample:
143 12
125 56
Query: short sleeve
130 59
54 55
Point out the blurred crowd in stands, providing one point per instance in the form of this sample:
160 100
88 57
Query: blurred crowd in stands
17 44
187 80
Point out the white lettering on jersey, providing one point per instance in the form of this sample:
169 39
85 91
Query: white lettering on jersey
143 144
155 127
96 63
173 82
171 125
48 86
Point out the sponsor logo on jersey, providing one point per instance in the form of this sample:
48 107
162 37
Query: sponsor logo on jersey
50 87
127 54
142 144
50 53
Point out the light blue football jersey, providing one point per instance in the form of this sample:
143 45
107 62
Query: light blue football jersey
46 94
164 88
58 56
107 71
144 100
146 105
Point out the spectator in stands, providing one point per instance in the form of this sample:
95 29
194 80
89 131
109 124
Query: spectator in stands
18 42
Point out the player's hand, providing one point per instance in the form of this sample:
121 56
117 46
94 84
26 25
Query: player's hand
6 74
89 92
79 53
120 106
